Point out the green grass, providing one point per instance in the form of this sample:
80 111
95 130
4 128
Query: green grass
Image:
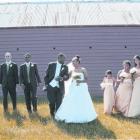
21 126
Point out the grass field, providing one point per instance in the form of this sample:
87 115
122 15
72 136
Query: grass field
21 126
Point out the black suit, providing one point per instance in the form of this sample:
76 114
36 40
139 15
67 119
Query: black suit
30 86
9 79
55 94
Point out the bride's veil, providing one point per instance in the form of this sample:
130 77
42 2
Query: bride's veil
68 82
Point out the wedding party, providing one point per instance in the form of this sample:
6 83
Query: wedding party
67 90
69 69
72 78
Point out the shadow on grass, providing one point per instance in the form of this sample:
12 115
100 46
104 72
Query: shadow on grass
40 100
120 117
97 100
43 99
21 99
33 117
92 130
37 117
15 116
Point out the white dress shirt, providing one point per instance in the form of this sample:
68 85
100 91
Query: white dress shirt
28 71
8 64
55 83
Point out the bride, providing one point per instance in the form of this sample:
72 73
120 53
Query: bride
77 106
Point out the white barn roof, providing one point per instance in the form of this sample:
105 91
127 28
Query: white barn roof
69 14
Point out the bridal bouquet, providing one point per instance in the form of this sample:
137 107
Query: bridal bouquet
77 77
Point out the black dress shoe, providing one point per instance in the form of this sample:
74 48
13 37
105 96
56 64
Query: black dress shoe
35 110
5 110
52 115
29 111
14 110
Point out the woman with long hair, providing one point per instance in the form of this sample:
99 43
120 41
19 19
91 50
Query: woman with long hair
124 90
134 108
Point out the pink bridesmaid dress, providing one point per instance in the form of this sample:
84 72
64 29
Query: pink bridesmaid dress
109 95
134 108
123 93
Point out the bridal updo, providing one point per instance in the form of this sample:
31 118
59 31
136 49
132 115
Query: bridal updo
77 58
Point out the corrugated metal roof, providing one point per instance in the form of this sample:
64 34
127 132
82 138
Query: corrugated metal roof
52 1
67 14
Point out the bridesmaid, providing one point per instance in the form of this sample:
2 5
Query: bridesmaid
124 91
109 94
134 108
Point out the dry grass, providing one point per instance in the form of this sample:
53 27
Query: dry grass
21 126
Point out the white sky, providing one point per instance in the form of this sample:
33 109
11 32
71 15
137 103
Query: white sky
46 0
11 1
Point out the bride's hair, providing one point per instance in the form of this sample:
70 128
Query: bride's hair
77 57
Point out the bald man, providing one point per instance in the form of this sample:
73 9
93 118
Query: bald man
8 80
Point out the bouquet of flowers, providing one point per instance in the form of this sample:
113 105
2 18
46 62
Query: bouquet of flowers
77 77
123 75
133 71
103 85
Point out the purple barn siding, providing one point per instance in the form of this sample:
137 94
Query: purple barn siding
100 48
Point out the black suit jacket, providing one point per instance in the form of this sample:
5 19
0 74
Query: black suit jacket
50 73
10 78
34 75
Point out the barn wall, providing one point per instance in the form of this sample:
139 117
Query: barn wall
100 48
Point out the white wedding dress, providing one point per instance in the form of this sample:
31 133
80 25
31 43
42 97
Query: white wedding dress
77 106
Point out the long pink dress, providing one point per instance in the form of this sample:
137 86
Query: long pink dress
134 108
109 95
123 94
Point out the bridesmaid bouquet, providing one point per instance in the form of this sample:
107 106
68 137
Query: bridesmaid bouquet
123 75
77 77
133 71
103 85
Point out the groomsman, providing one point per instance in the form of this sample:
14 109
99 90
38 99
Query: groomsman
8 80
56 74
29 80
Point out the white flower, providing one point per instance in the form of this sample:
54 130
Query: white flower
32 65
133 70
11 65
102 85
62 68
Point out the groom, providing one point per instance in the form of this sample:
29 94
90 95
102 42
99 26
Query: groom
56 74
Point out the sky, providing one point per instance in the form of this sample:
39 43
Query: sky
12 1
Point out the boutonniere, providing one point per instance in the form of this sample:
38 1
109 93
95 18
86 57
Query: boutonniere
10 65
32 65
62 68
